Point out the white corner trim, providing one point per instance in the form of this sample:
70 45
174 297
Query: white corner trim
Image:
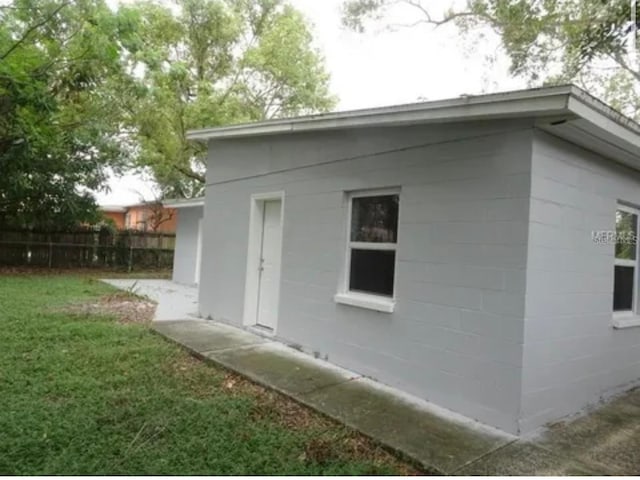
371 302
620 321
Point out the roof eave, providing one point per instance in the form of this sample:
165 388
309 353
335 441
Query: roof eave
184 203
528 103
600 128
112 209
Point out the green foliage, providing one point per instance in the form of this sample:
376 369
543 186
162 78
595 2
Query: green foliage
85 89
587 42
84 395
213 63
58 128
355 12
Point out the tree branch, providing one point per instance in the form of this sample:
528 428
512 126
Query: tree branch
190 174
625 66
32 29
238 72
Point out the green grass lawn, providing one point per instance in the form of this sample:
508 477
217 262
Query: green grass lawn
84 394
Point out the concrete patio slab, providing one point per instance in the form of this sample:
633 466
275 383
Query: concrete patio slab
607 439
522 458
604 442
175 301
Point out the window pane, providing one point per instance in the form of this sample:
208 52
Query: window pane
375 219
372 271
626 235
623 288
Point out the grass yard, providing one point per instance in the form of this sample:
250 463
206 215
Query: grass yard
85 394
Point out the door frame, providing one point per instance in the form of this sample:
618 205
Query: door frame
252 282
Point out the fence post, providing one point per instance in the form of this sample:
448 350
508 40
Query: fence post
50 250
130 257
29 240
159 247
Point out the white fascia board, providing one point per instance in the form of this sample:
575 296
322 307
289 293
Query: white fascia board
189 203
537 102
606 123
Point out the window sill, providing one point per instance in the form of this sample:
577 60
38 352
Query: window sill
629 320
371 302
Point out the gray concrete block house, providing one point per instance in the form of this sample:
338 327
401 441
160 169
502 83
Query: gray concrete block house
188 250
476 252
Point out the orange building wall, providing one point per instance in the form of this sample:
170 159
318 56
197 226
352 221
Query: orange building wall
145 218
171 225
140 217
117 217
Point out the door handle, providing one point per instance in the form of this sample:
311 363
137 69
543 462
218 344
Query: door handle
261 267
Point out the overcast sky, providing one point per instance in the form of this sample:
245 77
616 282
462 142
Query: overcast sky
381 67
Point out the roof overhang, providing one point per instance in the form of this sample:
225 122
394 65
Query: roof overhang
112 209
598 127
538 102
184 203
565 111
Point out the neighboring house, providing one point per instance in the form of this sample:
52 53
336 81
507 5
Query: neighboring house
462 250
148 217
188 250
114 213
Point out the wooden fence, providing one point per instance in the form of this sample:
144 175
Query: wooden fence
86 247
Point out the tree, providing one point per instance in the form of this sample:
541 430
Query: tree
86 90
588 42
158 215
58 130
213 63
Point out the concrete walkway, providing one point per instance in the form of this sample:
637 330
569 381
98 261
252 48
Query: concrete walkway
605 442
438 439
175 302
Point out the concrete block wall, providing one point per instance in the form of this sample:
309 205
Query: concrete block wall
572 354
184 259
456 335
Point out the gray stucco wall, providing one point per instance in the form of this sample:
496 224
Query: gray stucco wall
572 354
184 260
456 335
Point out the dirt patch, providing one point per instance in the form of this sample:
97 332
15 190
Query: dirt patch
276 407
124 306
196 377
271 405
331 440
349 444
330 444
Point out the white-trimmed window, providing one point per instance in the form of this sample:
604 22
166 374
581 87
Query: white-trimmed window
371 250
626 261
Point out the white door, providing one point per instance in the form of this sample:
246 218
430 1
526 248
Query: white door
269 265
198 252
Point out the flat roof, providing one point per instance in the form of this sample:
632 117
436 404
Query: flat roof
564 111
